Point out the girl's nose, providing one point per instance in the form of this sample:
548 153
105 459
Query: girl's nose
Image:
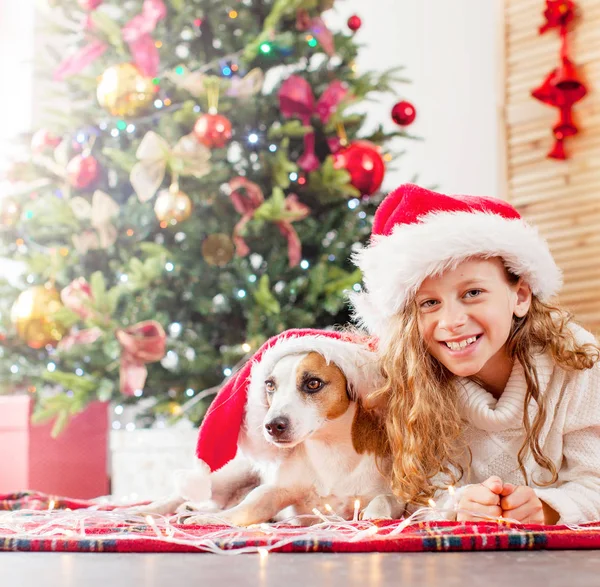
453 317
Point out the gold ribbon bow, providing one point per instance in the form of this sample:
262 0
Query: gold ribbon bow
100 214
187 157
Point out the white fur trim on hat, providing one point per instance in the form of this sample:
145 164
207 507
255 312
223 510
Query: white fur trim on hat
394 266
356 361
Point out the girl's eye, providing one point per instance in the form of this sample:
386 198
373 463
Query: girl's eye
427 304
313 385
473 293
270 386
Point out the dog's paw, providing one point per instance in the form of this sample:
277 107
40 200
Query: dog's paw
380 508
161 507
205 507
375 513
206 519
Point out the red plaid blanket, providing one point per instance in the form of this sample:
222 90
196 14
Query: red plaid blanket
36 522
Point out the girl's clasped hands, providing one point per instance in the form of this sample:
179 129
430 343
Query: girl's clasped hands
495 499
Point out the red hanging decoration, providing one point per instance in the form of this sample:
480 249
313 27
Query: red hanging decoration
558 150
558 14
213 130
83 171
565 127
44 139
354 23
562 87
361 159
403 113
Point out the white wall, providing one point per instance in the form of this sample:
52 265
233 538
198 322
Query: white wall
16 73
449 50
16 89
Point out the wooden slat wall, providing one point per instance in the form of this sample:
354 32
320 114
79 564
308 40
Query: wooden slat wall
562 198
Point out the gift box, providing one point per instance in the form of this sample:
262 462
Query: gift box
74 464
143 461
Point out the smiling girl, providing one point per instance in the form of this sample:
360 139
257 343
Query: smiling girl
488 387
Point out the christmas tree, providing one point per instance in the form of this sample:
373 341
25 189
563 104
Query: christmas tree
198 188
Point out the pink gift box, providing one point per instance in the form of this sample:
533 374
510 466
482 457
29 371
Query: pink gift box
73 465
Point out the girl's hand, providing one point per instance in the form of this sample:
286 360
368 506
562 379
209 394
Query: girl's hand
520 503
482 499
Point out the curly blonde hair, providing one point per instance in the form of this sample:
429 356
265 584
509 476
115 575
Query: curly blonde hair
419 399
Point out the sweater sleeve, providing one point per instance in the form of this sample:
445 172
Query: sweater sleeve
576 494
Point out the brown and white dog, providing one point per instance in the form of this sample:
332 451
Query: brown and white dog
306 440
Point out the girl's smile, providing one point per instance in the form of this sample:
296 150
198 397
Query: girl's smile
460 347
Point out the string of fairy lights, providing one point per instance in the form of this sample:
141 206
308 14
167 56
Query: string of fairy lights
96 523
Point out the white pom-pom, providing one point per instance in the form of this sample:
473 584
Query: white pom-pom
194 484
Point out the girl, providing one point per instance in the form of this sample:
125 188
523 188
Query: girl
488 387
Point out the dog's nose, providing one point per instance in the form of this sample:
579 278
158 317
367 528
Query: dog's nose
277 427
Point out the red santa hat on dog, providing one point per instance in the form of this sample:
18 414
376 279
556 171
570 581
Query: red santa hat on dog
417 233
241 403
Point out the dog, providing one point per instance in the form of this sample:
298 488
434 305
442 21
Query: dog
306 441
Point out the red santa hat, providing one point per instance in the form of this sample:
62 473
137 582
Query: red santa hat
235 417
418 233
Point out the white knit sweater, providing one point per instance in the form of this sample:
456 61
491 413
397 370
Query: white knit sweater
570 436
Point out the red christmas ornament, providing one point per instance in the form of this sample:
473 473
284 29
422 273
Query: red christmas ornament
89 4
558 150
569 87
42 140
213 130
403 113
558 14
82 171
565 127
354 22
546 91
361 159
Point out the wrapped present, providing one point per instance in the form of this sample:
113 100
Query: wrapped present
74 464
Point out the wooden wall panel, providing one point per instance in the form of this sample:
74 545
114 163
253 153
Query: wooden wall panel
562 198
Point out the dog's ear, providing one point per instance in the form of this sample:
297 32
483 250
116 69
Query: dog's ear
368 432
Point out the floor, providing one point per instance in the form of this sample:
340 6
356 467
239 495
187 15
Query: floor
492 569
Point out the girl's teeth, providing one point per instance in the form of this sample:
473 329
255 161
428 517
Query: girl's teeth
457 346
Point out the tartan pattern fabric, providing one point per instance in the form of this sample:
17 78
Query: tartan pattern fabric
419 537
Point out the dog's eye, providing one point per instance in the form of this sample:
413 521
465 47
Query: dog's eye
270 386
313 385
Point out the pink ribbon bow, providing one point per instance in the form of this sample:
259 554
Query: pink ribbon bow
77 296
296 99
141 343
247 197
79 61
79 337
136 33
318 28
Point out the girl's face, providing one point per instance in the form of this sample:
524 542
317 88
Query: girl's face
465 317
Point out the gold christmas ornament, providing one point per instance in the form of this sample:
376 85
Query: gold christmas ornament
10 212
124 91
218 249
32 316
172 206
